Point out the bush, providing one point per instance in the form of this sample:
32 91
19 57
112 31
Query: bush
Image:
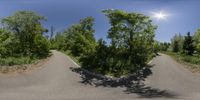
41 46
26 30
21 39
97 61
198 48
130 48
9 44
131 36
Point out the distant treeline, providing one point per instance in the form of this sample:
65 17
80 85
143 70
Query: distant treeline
187 48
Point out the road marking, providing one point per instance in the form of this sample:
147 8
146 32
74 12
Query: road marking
73 61
150 61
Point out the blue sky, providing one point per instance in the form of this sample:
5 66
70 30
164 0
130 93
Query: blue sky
184 15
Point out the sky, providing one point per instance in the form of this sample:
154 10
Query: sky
182 15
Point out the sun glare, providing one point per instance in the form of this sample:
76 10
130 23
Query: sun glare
160 15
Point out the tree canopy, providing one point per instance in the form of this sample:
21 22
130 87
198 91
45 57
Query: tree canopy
25 25
132 39
25 30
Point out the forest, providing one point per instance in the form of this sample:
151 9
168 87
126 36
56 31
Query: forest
186 48
131 47
183 48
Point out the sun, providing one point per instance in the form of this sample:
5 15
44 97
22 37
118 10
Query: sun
160 15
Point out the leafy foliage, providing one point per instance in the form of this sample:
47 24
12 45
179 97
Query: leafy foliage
161 47
164 46
177 43
41 46
58 42
9 45
198 48
195 59
25 25
97 61
185 44
156 47
196 40
78 38
188 46
131 36
22 38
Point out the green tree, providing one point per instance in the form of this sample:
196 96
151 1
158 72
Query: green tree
164 46
175 46
196 39
41 45
9 45
59 42
25 25
198 48
79 38
188 46
87 28
98 60
156 47
177 43
132 38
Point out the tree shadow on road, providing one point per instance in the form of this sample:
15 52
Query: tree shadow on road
133 83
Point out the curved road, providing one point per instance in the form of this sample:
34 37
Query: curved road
56 81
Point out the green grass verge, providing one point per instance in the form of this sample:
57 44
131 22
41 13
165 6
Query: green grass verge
192 62
9 61
75 59
14 64
195 59
21 60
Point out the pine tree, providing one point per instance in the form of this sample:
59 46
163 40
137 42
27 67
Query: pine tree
175 46
188 47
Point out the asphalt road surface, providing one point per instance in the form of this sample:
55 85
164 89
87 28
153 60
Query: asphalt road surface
56 81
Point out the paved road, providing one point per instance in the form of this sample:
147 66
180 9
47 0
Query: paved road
56 81
173 77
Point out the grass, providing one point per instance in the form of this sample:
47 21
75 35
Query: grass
13 64
9 61
75 59
192 62
194 59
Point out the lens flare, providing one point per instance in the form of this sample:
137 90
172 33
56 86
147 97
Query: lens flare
160 16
